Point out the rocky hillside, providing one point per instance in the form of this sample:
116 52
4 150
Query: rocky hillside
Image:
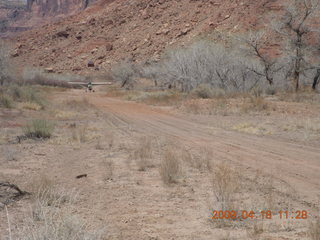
19 15
113 30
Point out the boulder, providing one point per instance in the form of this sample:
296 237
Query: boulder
90 64
15 53
49 70
64 34
109 46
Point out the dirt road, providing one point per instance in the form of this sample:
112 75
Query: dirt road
295 164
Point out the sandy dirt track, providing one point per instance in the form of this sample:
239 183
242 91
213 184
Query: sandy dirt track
295 164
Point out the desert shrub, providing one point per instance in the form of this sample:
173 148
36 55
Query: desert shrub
39 128
57 226
201 162
256 231
6 67
26 94
203 63
38 76
143 154
314 230
255 104
225 182
170 168
206 91
6 101
109 164
271 90
31 106
125 73
50 195
50 220
80 134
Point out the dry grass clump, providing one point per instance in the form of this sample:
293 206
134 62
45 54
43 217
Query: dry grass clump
256 231
80 134
26 94
207 106
255 104
57 226
47 193
31 106
10 153
170 168
108 143
314 230
225 182
143 154
39 128
50 220
38 76
205 91
201 162
6 101
109 165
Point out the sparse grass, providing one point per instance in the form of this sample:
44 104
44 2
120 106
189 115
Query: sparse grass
79 105
143 154
39 128
207 106
6 101
314 230
170 168
303 96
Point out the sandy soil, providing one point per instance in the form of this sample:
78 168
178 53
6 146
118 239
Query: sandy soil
134 204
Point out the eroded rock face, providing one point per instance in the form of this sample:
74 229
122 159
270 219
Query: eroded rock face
53 7
20 15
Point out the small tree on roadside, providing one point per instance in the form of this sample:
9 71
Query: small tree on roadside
296 27
255 46
4 63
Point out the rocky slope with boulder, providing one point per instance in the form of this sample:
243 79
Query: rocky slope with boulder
111 31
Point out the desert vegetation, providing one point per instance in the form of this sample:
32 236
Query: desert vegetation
228 149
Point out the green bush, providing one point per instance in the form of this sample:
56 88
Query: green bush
6 101
39 128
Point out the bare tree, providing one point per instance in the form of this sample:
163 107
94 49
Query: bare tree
296 26
4 63
255 45
203 63
125 73
316 80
